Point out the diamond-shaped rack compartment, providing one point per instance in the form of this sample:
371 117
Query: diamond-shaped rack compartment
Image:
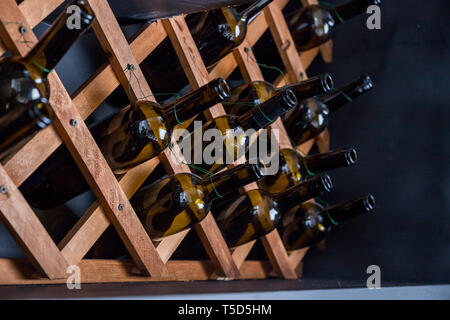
46 261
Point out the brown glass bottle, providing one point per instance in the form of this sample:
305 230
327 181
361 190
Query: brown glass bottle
256 213
134 135
24 88
247 96
293 168
309 223
178 202
216 33
311 118
312 26
232 131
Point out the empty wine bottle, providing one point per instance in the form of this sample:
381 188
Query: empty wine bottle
178 202
127 139
232 132
19 124
312 26
247 96
293 168
257 213
311 117
216 33
24 88
308 224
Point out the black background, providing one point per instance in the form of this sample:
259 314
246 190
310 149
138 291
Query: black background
401 130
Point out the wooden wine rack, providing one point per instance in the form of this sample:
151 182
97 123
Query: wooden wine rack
48 262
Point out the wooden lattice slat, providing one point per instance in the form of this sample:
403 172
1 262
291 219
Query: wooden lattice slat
108 190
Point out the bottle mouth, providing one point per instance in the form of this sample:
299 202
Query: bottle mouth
86 13
366 82
351 156
258 168
369 202
327 82
222 89
43 113
290 98
326 182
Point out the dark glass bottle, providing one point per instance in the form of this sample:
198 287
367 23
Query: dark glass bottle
178 202
247 96
311 117
232 130
312 26
24 88
215 32
129 138
19 124
257 213
309 223
293 168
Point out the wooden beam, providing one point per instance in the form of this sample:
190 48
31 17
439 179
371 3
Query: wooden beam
35 11
284 42
28 231
19 272
119 52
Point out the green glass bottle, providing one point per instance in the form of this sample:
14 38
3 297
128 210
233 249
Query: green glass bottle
216 33
19 124
293 168
309 223
178 202
234 133
312 26
247 96
257 213
311 117
134 135
24 88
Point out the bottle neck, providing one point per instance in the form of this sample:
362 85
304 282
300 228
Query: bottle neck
59 38
347 93
197 101
351 9
265 114
223 183
346 210
253 10
304 191
330 160
313 86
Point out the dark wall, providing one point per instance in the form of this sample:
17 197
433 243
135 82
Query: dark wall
402 133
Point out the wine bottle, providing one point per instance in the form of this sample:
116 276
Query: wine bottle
216 33
308 224
312 26
257 213
232 130
178 202
127 139
19 124
24 88
293 168
311 117
247 96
